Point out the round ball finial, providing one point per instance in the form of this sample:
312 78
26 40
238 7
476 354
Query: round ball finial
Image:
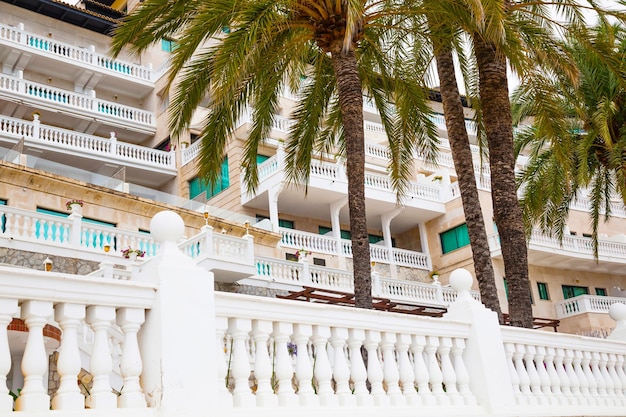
461 280
167 226
617 311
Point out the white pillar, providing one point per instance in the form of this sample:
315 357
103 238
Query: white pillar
335 209
485 362
8 308
272 200
424 243
385 220
34 396
68 396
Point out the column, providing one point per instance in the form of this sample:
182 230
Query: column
130 321
100 318
386 219
335 209
68 396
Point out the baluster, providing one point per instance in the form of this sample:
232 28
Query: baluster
240 362
462 376
265 397
591 380
8 308
509 350
617 383
434 371
390 369
323 372
100 319
555 380
597 374
68 396
357 368
447 371
571 374
375 373
544 378
224 396
283 367
421 371
583 384
524 378
34 396
619 367
341 371
304 369
533 375
610 389
406 374
130 321
560 370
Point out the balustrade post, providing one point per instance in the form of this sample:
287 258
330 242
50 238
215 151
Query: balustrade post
406 375
323 372
113 140
8 308
261 330
130 321
375 372
224 397
357 367
249 248
484 354
421 371
283 367
183 307
34 396
68 396
76 230
390 369
207 245
36 126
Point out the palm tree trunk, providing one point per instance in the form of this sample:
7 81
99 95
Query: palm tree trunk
351 102
463 164
496 108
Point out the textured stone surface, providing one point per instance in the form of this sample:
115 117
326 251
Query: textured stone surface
35 261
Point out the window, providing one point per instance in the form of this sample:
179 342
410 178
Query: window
319 261
570 291
542 289
322 230
168 45
454 238
198 186
601 291
57 233
287 224
291 257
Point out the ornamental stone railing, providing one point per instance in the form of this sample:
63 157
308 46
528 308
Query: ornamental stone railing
64 140
186 349
38 95
583 304
18 37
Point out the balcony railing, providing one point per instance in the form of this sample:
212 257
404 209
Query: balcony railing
572 245
585 304
63 140
312 242
40 95
15 36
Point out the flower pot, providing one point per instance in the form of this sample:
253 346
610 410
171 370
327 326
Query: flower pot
76 208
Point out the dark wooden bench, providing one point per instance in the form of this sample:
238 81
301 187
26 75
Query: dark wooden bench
538 322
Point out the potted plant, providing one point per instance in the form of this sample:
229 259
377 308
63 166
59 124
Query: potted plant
434 275
74 205
130 253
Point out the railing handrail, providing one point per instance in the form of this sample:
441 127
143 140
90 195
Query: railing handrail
585 303
98 146
86 56
72 100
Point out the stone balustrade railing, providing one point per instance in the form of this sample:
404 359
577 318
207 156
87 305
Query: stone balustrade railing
39 296
216 245
571 245
240 355
555 369
41 94
18 37
585 304
312 242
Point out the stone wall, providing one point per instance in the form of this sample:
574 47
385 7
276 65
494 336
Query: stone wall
35 261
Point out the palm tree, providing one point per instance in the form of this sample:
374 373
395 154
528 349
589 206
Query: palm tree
443 38
577 141
242 55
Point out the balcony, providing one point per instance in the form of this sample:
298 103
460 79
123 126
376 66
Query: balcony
574 253
584 304
96 154
23 49
76 106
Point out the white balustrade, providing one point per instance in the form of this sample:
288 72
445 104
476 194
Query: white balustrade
583 304
70 141
84 56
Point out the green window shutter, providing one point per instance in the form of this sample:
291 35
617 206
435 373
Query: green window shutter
542 289
261 158
570 291
601 292
198 186
287 224
454 238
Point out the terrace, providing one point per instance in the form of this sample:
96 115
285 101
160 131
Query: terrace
278 357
